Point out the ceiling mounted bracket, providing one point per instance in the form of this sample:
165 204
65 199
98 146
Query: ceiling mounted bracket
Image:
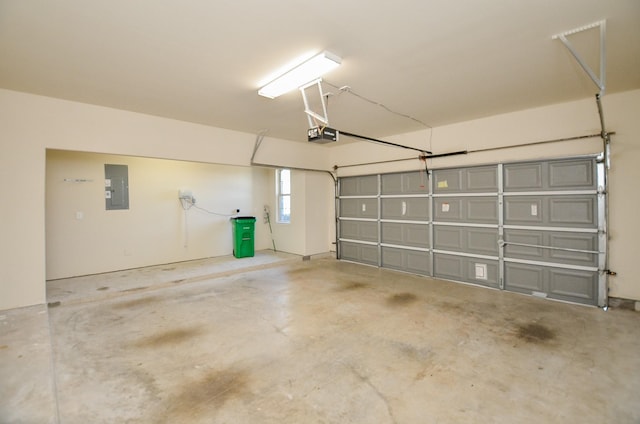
599 81
324 118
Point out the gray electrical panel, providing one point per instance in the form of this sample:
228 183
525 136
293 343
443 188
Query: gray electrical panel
116 187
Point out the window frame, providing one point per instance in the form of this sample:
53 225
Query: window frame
280 196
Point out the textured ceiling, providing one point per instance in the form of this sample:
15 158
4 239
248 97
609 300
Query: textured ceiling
201 61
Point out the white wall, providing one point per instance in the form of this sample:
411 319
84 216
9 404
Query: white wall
578 118
154 230
320 224
546 123
29 125
311 230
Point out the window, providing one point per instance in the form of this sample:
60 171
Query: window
283 191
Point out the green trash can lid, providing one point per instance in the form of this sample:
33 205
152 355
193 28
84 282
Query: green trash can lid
245 217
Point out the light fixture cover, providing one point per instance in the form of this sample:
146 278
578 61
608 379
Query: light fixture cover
300 75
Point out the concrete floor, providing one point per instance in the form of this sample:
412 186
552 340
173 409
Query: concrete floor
320 341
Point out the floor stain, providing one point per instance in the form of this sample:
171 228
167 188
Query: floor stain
137 302
179 281
4 347
134 289
206 396
401 299
412 352
102 288
169 269
353 285
299 271
535 333
168 338
53 304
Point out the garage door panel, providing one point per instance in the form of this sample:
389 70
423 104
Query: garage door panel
447 209
466 269
523 211
482 179
523 177
359 186
572 174
359 230
482 210
524 278
578 211
369 254
391 184
349 251
392 258
419 262
406 260
482 271
359 208
481 241
530 237
447 180
349 208
349 186
551 243
573 285
448 267
448 238
573 211
409 234
411 208
392 233
416 235
466 180
475 210
576 241
363 253
405 183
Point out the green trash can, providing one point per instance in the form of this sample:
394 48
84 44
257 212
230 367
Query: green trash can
243 236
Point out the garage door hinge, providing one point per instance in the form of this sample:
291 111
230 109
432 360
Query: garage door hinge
610 272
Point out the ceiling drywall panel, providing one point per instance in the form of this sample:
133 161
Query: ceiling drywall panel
439 62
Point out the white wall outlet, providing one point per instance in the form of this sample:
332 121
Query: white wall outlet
79 215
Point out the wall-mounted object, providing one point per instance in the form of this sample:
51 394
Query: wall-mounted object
77 180
116 187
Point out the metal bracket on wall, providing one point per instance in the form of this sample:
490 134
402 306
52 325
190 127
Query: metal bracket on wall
597 80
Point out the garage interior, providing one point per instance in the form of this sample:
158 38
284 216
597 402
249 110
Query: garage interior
445 223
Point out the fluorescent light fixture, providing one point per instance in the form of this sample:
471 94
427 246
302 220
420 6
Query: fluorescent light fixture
300 75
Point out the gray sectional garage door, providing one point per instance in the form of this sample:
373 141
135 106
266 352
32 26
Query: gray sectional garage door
534 227
551 229
465 225
404 222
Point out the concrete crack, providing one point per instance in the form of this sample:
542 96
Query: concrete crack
377 391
